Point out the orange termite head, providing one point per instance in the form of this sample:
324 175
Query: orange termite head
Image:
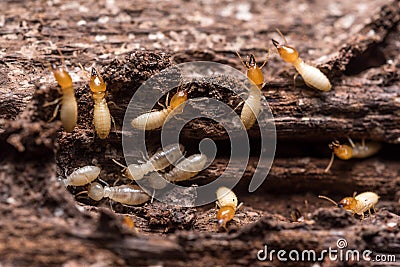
254 73
348 203
288 53
180 97
97 84
224 215
344 152
62 76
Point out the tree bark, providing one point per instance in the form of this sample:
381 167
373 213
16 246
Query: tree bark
42 224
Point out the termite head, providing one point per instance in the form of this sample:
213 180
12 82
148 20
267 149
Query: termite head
134 172
179 98
254 73
344 152
97 84
61 76
224 215
95 191
348 203
288 53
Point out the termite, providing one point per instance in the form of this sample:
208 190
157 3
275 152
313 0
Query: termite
155 119
124 194
69 107
102 117
358 204
183 171
254 72
355 150
82 176
228 204
160 160
187 168
312 76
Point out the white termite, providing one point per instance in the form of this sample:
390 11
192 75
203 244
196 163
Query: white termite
312 76
155 119
159 161
187 168
228 204
82 176
358 204
124 194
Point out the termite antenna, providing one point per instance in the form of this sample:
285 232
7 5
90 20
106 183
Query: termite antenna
119 163
329 199
283 37
241 60
61 56
81 193
266 59
330 163
84 71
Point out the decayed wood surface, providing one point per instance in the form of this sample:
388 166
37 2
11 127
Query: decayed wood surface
43 226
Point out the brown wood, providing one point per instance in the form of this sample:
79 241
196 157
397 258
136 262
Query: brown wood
354 43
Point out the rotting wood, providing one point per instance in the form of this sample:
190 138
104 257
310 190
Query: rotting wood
41 225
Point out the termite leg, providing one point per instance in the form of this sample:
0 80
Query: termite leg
47 104
55 112
237 220
239 206
119 164
330 163
114 104
164 106
115 126
294 80
363 142
351 142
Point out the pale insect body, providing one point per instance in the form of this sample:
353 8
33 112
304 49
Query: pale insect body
69 107
82 176
150 121
358 204
354 150
187 168
102 116
155 119
124 194
226 197
312 76
160 160
228 204
251 108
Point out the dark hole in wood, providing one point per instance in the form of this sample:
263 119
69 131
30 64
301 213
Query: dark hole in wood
371 58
